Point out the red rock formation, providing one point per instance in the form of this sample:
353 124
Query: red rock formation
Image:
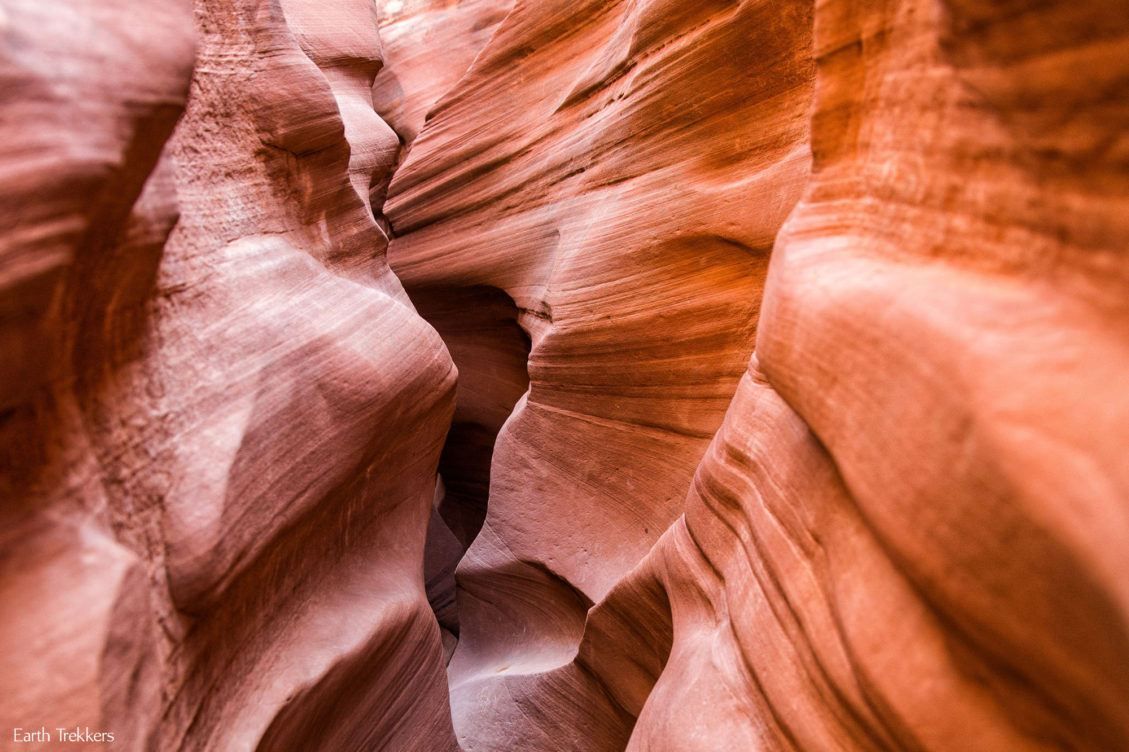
964 233
904 536
236 463
224 475
82 127
428 45
624 194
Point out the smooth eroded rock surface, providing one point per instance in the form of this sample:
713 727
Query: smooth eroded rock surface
600 375
624 194
224 473
907 532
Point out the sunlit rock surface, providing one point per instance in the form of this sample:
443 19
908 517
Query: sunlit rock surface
428 46
742 375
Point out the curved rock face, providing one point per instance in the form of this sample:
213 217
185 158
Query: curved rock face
224 474
903 536
743 375
624 194
83 126
979 280
428 45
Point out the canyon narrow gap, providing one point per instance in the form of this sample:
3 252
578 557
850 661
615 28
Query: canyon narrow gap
564 375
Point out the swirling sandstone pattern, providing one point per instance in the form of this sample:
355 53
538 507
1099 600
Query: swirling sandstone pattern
225 476
908 531
948 316
624 195
759 365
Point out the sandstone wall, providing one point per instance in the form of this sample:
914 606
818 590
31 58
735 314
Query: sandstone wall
220 451
544 375
909 530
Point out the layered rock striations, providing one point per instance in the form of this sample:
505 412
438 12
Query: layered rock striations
946 313
82 129
218 489
427 46
623 194
908 530
742 375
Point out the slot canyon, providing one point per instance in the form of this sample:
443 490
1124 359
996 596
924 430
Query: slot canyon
564 375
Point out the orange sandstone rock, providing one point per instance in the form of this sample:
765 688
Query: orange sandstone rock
743 375
908 530
618 171
221 475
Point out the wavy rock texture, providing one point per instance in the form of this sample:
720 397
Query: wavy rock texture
578 442
428 45
948 316
908 530
82 128
224 472
622 196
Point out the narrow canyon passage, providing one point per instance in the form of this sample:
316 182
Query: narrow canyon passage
639 326
479 327
564 375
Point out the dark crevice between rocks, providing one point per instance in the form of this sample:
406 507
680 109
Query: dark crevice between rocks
480 328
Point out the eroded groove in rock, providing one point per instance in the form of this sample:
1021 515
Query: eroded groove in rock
479 326
242 483
623 192
428 46
222 470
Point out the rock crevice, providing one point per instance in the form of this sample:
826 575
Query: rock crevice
591 375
